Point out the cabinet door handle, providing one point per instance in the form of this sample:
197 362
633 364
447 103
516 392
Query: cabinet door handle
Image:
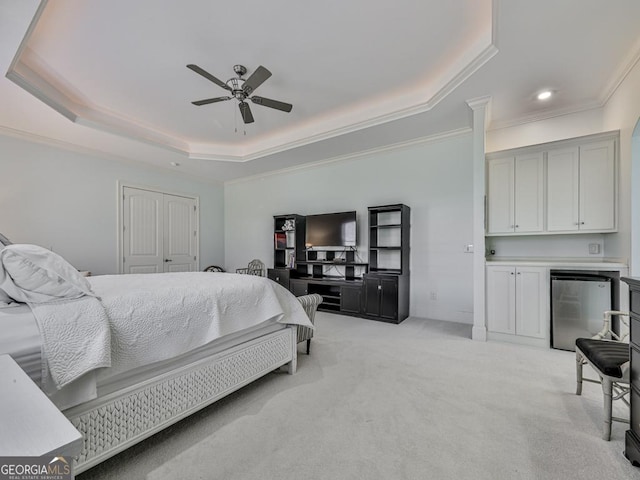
168 260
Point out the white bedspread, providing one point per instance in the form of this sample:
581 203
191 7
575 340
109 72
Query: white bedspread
137 320
155 317
75 339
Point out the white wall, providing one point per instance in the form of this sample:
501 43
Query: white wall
546 246
622 112
434 179
67 201
549 130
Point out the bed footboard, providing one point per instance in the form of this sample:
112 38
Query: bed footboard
119 420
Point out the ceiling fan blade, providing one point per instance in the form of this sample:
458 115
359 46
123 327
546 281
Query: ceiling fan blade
208 76
255 80
246 112
267 102
211 100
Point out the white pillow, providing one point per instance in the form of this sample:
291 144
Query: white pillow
34 274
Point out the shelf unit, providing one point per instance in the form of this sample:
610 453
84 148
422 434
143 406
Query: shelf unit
288 248
386 285
378 290
320 259
389 239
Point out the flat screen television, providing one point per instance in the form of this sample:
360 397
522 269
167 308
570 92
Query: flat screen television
331 230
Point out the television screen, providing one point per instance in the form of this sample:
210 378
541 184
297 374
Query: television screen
331 230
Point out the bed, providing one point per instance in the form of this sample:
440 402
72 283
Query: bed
157 348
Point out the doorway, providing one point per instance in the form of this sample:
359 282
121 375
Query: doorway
158 232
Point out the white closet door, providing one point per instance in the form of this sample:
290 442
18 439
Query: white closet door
143 227
180 234
160 232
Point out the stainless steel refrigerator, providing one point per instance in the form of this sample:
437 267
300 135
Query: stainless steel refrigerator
577 305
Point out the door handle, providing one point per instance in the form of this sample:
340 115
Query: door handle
168 260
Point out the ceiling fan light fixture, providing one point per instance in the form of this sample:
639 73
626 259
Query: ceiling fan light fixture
241 90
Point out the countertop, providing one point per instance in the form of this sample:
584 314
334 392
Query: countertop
584 262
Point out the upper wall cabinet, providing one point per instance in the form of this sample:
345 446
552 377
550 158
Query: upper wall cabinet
581 188
560 187
516 189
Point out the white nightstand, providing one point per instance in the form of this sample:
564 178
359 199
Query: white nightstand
31 424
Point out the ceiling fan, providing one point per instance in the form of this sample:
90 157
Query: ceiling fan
241 90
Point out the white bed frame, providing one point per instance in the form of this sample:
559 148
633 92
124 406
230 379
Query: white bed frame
113 423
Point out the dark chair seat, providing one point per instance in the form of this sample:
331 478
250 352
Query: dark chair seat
607 356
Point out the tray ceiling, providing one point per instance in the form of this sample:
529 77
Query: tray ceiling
360 74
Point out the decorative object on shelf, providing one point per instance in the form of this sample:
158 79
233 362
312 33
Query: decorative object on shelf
280 240
289 225
289 235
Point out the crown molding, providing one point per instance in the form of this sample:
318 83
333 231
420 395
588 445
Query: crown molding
621 73
36 77
95 152
546 115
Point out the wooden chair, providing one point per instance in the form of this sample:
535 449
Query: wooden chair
608 355
255 267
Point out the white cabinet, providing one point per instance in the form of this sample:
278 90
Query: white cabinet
516 194
581 188
567 186
518 301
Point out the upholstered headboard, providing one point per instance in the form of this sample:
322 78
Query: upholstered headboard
4 241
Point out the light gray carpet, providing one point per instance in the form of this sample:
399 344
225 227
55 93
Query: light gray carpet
419 400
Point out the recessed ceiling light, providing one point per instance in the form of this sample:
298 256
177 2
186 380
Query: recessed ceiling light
544 95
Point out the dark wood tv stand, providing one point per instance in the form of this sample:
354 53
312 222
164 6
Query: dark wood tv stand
339 295
378 290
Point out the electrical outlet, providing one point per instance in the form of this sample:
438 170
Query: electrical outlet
468 249
433 295
594 248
